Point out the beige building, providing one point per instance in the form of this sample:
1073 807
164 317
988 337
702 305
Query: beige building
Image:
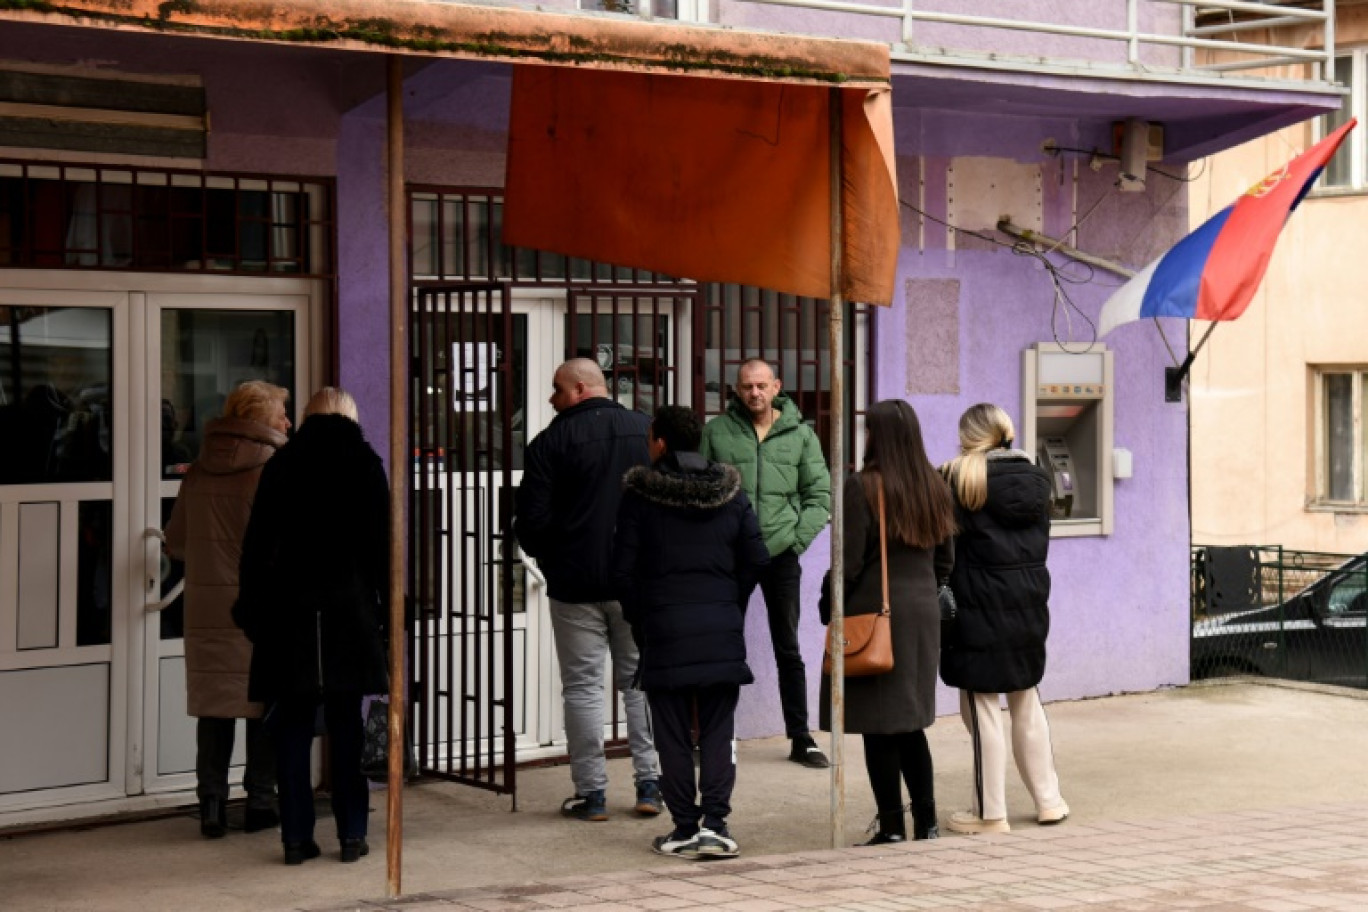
1278 398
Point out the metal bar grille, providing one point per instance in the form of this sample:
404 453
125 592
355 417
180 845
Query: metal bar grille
462 646
736 323
75 216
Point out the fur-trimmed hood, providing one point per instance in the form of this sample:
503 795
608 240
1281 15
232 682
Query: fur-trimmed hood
686 481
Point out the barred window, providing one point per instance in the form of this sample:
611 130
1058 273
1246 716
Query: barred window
59 216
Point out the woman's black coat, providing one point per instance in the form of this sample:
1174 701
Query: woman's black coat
904 699
687 549
1001 583
314 581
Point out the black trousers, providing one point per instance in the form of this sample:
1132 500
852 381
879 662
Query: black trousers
904 755
672 713
780 584
214 754
292 726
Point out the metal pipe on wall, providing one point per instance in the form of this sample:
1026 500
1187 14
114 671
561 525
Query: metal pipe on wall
835 338
398 463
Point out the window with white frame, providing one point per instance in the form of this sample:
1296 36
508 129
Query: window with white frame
1346 170
683 10
1340 464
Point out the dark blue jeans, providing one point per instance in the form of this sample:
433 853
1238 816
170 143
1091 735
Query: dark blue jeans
779 584
292 727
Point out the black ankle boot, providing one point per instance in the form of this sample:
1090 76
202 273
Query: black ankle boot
892 828
213 818
924 823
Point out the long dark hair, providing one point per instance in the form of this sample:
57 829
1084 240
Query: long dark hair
920 511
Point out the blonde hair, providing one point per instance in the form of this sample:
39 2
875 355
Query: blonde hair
982 427
255 400
332 401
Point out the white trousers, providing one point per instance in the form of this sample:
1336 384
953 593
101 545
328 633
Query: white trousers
982 715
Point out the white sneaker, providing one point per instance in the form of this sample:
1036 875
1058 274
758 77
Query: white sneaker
970 824
1057 814
716 844
677 844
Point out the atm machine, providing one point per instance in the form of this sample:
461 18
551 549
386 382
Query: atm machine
1066 419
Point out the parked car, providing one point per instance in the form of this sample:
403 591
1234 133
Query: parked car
1317 634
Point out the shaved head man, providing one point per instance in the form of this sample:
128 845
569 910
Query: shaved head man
566 511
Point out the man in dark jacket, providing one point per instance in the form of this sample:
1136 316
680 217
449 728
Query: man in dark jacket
783 472
688 548
566 508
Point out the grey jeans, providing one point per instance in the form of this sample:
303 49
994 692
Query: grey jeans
586 635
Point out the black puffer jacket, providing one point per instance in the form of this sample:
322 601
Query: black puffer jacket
568 500
1001 582
313 589
687 545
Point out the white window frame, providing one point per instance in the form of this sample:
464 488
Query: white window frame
1355 146
1320 494
687 10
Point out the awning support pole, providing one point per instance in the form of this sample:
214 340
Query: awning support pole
398 463
835 341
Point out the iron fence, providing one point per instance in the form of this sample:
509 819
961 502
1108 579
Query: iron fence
1272 612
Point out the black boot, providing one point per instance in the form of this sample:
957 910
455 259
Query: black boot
924 822
213 818
892 828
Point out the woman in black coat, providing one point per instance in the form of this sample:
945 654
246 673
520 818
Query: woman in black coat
314 586
687 548
893 710
1002 588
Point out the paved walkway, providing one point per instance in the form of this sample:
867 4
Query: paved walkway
1269 782
1278 860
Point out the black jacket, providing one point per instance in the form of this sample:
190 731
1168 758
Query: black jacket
688 545
314 579
567 503
1001 583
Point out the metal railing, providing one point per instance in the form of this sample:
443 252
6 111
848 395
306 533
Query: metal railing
1268 611
1216 27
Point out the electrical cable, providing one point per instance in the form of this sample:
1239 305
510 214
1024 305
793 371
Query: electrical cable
1059 278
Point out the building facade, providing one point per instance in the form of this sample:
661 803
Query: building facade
1277 396
233 224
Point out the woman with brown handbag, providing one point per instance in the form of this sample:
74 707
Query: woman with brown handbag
897 505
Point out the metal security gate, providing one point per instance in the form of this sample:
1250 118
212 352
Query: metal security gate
464 393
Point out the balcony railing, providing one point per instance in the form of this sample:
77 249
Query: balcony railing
1207 37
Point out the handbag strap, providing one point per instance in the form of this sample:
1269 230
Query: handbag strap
883 548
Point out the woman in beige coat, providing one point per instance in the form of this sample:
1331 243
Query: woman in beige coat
206 530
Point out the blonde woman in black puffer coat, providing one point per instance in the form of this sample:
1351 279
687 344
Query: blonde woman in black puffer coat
997 646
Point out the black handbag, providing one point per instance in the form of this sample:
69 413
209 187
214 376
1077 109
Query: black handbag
948 609
375 745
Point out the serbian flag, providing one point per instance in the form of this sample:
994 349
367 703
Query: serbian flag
1213 273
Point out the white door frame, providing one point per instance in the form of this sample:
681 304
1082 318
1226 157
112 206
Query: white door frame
135 490
295 296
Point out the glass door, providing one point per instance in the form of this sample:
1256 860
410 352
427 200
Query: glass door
64 424
198 348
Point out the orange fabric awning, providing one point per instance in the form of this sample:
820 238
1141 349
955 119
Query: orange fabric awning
708 179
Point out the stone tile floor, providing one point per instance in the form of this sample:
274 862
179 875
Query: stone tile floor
1281 860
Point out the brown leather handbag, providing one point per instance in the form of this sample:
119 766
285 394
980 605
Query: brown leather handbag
868 645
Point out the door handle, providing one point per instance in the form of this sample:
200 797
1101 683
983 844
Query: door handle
169 599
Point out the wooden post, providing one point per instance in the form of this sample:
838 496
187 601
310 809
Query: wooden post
399 463
835 325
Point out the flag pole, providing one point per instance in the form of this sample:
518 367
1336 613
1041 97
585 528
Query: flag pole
1174 376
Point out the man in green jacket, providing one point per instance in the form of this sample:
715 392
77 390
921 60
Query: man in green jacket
787 480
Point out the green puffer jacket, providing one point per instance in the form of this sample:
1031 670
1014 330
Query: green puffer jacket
785 475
